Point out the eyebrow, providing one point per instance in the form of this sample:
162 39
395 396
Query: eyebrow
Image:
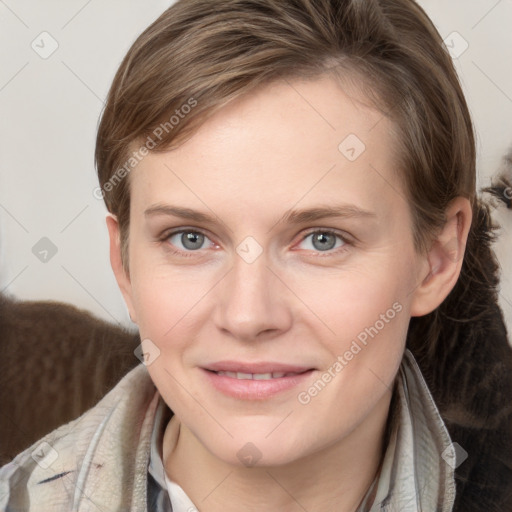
290 217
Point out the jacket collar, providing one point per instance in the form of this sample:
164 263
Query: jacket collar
418 470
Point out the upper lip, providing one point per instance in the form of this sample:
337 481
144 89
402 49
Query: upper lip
257 367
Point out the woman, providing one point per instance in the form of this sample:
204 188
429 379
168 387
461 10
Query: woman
292 195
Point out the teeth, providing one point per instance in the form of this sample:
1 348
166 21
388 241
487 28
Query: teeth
262 376
255 376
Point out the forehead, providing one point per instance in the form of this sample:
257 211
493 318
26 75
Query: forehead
290 141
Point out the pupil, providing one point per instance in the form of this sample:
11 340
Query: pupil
192 240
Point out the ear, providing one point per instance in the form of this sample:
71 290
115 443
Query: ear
122 277
443 262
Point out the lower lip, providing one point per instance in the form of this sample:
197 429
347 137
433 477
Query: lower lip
249 389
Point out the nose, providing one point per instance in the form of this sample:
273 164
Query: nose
252 302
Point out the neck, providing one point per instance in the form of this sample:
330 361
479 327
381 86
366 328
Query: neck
334 479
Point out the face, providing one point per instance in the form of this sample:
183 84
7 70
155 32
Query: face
272 268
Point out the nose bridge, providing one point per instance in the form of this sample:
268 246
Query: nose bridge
251 299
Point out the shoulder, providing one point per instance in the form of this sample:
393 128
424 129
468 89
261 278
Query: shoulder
60 467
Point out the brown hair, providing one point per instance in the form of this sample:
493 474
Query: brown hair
213 51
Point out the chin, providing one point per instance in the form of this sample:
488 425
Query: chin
251 448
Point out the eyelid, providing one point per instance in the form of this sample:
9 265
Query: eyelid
342 234
166 234
347 240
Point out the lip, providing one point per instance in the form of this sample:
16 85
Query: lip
249 389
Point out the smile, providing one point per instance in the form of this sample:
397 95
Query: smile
255 385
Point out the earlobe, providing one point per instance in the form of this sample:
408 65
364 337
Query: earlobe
443 263
122 277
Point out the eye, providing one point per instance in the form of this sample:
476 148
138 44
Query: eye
323 241
187 240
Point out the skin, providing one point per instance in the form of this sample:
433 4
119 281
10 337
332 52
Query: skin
248 165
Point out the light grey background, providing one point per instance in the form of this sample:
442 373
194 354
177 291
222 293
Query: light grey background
49 110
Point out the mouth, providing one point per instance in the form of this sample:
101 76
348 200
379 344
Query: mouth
255 381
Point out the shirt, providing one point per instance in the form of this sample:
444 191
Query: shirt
416 473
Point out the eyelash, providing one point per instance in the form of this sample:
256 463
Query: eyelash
190 254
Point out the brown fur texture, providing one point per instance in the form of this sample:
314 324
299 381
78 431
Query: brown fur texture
57 362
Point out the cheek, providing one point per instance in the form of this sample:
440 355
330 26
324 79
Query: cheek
164 296
364 315
170 314
351 299
166 303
